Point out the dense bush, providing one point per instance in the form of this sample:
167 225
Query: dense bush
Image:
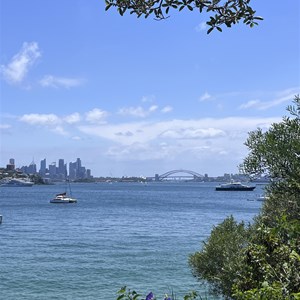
263 260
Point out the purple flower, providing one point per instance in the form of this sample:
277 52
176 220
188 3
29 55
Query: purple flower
167 298
150 296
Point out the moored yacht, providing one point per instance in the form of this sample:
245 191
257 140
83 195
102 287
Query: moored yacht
63 198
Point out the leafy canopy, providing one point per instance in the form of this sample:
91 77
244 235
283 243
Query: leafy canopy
276 152
221 12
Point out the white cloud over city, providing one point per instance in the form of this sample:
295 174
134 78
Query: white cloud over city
148 139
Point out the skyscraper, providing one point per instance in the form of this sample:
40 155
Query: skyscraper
61 172
52 170
43 167
32 168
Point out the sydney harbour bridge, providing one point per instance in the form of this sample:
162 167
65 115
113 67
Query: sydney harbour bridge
178 175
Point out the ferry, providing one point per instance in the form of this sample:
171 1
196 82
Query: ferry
234 186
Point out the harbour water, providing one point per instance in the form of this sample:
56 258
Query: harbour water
133 234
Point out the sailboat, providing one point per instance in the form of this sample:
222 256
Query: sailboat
63 197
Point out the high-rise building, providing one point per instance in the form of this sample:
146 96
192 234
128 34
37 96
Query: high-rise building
43 168
52 170
62 170
11 165
32 168
72 170
88 174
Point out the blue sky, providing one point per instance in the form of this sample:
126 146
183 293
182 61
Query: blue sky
137 97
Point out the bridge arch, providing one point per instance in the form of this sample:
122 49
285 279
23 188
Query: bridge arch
165 175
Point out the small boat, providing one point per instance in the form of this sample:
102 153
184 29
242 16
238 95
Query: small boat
63 198
16 182
234 186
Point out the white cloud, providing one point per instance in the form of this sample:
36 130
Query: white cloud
133 111
141 152
150 98
40 119
250 104
205 96
125 133
153 108
73 118
16 71
59 130
137 111
193 133
76 138
57 82
179 140
96 116
283 96
193 130
275 102
167 109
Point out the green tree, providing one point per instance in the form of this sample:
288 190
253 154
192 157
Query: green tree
220 12
264 259
276 153
270 262
218 261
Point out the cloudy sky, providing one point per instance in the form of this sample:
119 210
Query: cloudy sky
137 97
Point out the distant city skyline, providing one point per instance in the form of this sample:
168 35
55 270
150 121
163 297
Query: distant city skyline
61 171
135 97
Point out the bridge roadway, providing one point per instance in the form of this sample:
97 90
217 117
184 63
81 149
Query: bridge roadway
195 175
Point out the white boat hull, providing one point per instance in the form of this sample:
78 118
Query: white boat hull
15 182
63 200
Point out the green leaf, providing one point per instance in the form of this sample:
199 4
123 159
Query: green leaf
108 6
210 30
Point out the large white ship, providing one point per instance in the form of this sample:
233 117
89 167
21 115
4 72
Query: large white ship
15 182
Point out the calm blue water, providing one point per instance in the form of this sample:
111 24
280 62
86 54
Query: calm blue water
117 234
